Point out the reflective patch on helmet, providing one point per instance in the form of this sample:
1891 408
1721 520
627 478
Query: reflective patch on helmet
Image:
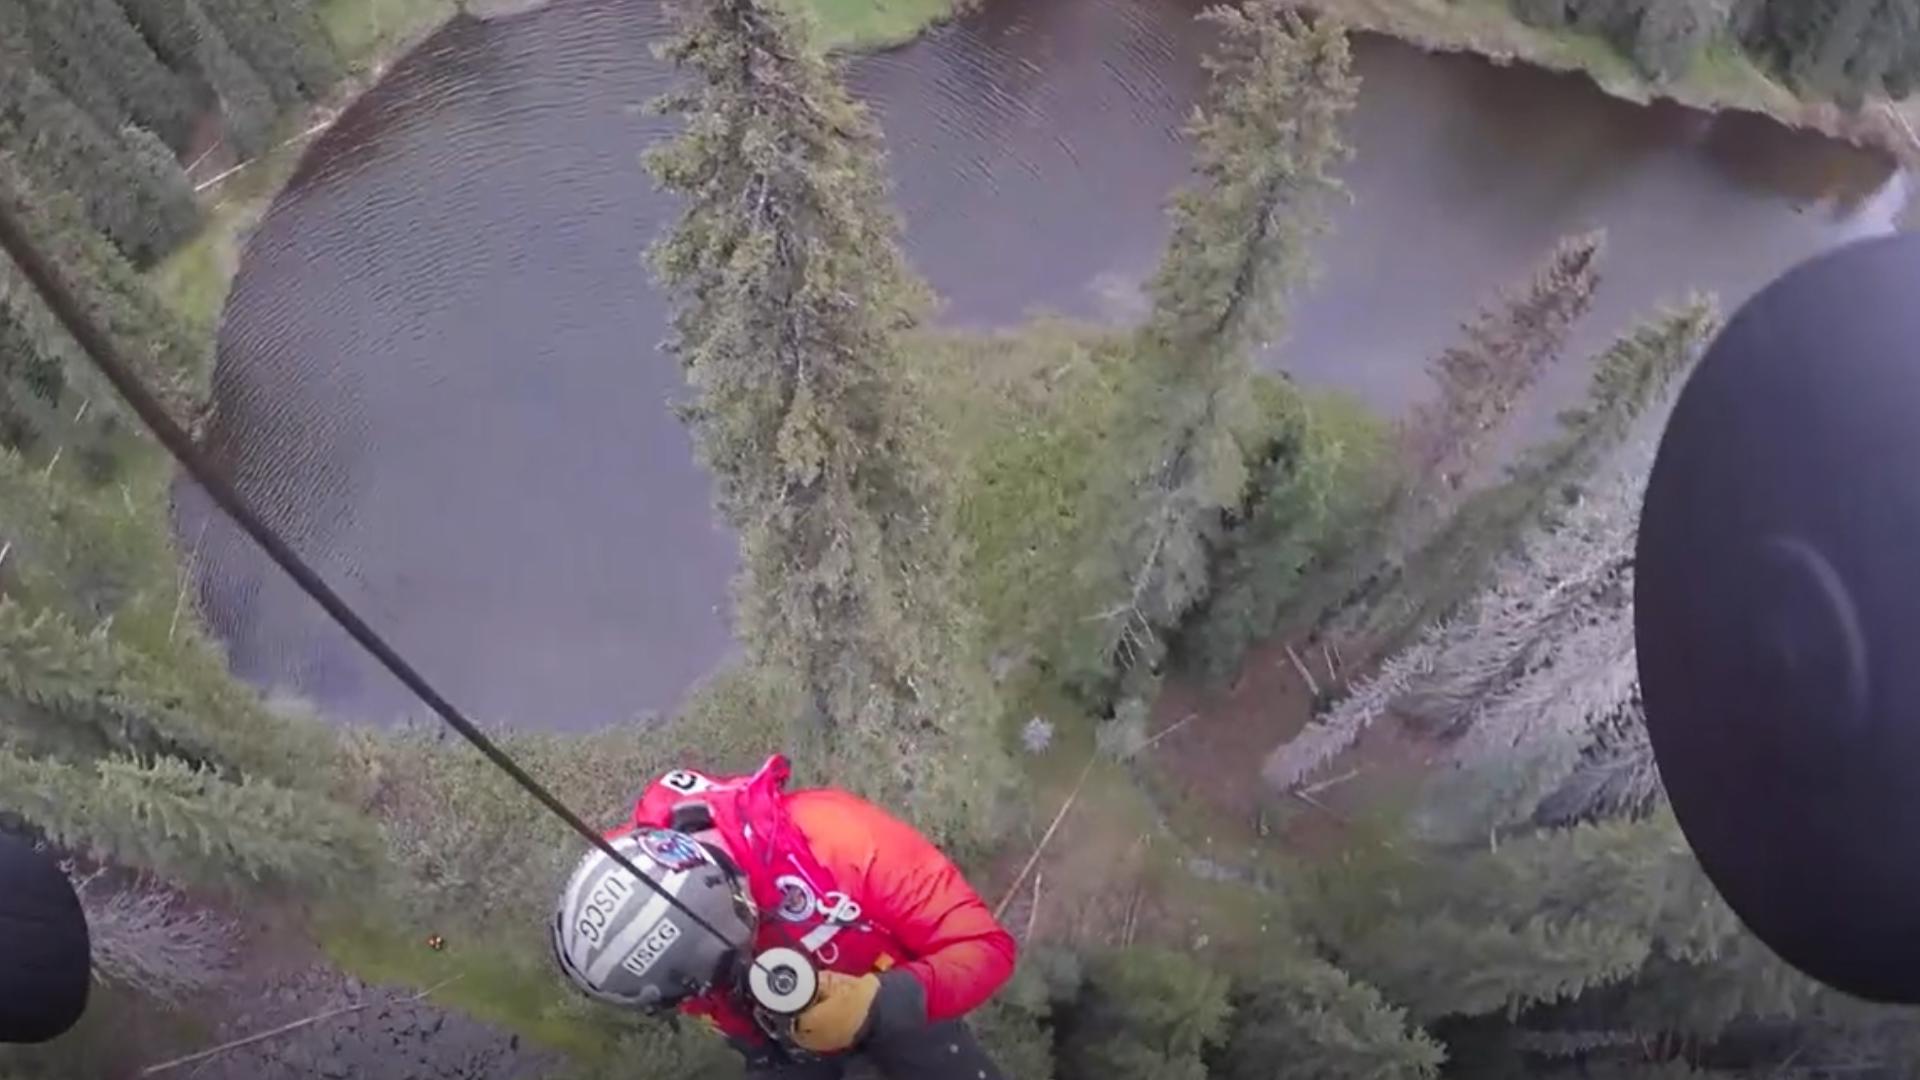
636 930
602 904
796 899
672 850
652 949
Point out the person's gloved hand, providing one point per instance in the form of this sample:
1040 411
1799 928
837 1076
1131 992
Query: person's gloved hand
840 1015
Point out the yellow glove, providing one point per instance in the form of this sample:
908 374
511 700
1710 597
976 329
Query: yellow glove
839 1013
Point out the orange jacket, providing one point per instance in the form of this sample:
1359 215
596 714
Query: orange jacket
916 911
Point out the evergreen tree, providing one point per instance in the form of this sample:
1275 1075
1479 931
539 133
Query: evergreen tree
1508 346
95 656
1702 998
1016 1024
167 357
1661 37
124 734
1534 682
1740 1012
1846 49
1842 49
1266 145
1568 952
1539 665
134 194
190 43
83 694
183 823
85 553
1640 369
101 62
1542 919
58 688
32 386
793 301
1308 1020
282 41
47 411
1145 1014
1438 536
27 31
1670 34
52 402
1456 559
1317 495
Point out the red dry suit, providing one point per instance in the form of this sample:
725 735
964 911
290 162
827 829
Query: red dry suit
859 889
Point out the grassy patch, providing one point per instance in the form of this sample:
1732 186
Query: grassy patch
365 32
875 24
1037 421
1581 51
194 280
1725 70
488 983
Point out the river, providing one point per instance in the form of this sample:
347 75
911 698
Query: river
438 369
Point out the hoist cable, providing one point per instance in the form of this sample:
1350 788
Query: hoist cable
214 481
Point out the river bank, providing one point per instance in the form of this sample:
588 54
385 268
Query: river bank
372 34
368 35
1721 78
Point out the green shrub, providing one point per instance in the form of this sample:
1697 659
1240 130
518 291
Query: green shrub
1016 1026
1146 1013
1318 497
1305 1019
1035 423
658 1048
468 848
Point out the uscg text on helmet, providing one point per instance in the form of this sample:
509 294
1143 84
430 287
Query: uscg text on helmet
603 903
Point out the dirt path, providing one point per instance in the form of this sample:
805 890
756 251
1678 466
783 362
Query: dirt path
1213 760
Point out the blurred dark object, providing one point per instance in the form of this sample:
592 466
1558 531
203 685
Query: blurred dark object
1777 615
45 963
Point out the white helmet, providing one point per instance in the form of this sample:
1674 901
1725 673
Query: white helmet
624 944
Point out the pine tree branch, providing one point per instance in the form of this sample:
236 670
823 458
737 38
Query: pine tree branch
187 825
